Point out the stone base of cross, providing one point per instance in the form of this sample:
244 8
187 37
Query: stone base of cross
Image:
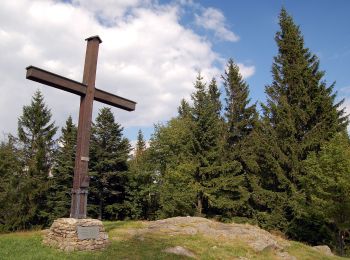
71 234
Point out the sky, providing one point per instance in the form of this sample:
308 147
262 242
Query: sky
153 50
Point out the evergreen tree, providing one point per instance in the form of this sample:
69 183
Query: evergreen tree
63 171
214 96
240 117
328 184
10 175
142 188
108 167
140 145
240 121
300 107
266 181
194 179
36 135
184 109
205 142
170 155
300 115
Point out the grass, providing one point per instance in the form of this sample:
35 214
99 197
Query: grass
128 245
302 251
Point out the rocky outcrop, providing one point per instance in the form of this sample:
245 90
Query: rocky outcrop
71 234
324 249
257 238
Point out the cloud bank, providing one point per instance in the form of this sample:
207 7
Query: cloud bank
147 55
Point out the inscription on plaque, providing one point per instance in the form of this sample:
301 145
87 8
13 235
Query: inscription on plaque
88 232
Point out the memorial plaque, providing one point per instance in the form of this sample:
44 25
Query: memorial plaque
88 232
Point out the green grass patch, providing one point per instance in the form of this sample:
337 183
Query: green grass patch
302 251
109 225
133 245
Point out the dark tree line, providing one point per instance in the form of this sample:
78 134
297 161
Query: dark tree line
285 169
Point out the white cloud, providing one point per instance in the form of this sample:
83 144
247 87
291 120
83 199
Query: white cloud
213 19
146 56
345 90
346 105
109 11
246 71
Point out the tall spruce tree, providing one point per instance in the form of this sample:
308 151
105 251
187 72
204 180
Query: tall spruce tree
300 115
36 135
300 107
108 167
63 171
240 117
140 145
206 145
240 121
214 96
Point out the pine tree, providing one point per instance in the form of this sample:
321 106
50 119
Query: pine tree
108 167
63 171
36 133
300 115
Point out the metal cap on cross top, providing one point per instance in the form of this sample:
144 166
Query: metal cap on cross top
88 93
93 38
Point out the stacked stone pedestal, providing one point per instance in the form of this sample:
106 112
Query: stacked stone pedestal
70 234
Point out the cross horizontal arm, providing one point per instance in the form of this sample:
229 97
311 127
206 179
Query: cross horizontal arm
114 100
63 83
56 81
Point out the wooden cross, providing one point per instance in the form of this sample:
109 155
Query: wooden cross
88 93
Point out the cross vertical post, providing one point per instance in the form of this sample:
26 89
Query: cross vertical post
81 178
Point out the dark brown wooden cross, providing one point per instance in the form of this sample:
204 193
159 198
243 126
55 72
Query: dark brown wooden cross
88 93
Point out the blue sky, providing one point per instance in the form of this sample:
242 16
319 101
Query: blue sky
324 24
152 50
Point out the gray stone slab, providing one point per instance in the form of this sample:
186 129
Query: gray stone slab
87 232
